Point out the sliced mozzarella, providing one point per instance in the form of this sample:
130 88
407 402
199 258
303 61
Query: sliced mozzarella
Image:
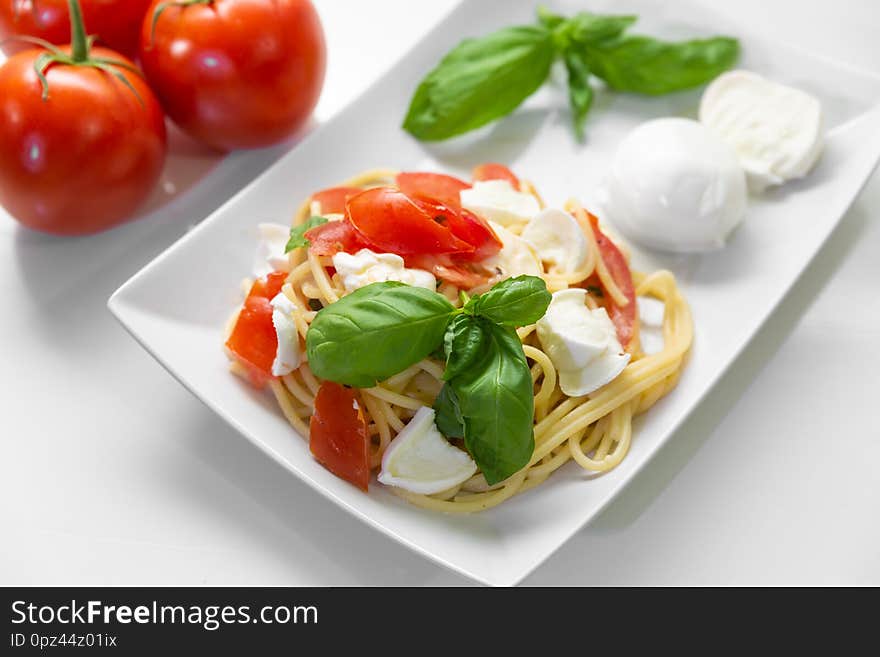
776 131
421 460
498 201
558 240
289 354
576 383
270 255
516 257
365 267
582 343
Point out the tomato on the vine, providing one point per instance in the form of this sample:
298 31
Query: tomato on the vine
82 137
235 73
116 23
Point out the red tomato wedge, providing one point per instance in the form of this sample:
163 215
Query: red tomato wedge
395 223
466 226
624 318
436 186
494 171
253 340
333 199
338 434
335 236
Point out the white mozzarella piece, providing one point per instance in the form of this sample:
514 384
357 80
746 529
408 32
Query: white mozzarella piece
675 185
421 460
558 240
289 354
270 255
776 131
365 267
516 257
498 201
582 343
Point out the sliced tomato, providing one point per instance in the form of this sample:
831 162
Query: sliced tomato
338 434
395 223
335 236
436 186
495 171
333 199
623 317
253 340
466 226
462 274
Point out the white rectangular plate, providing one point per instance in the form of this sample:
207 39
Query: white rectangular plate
177 305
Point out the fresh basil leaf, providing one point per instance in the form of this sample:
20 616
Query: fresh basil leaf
517 301
447 414
496 403
583 28
376 332
580 93
480 80
548 19
590 28
464 341
298 233
649 66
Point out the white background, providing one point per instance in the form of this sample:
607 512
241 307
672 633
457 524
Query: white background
111 473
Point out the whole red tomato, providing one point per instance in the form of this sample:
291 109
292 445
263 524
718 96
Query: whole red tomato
81 150
235 73
117 23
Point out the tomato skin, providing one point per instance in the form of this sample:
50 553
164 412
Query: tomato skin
335 236
253 340
84 159
624 318
466 226
338 434
395 223
333 200
495 171
436 186
116 23
248 75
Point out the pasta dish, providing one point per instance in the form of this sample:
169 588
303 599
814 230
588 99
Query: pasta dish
461 340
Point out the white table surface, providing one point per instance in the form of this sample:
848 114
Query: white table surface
111 473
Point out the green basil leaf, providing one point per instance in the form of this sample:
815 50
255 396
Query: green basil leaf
649 66
548 19
447 414
496 403
298 233
464 341
376 332
517 301
480 80
585 27
580 93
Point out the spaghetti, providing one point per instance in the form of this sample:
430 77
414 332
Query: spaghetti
594 431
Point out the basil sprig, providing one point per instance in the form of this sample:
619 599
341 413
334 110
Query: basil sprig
383 328
483 79
298 233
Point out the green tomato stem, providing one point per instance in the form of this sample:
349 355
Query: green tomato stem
79 43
